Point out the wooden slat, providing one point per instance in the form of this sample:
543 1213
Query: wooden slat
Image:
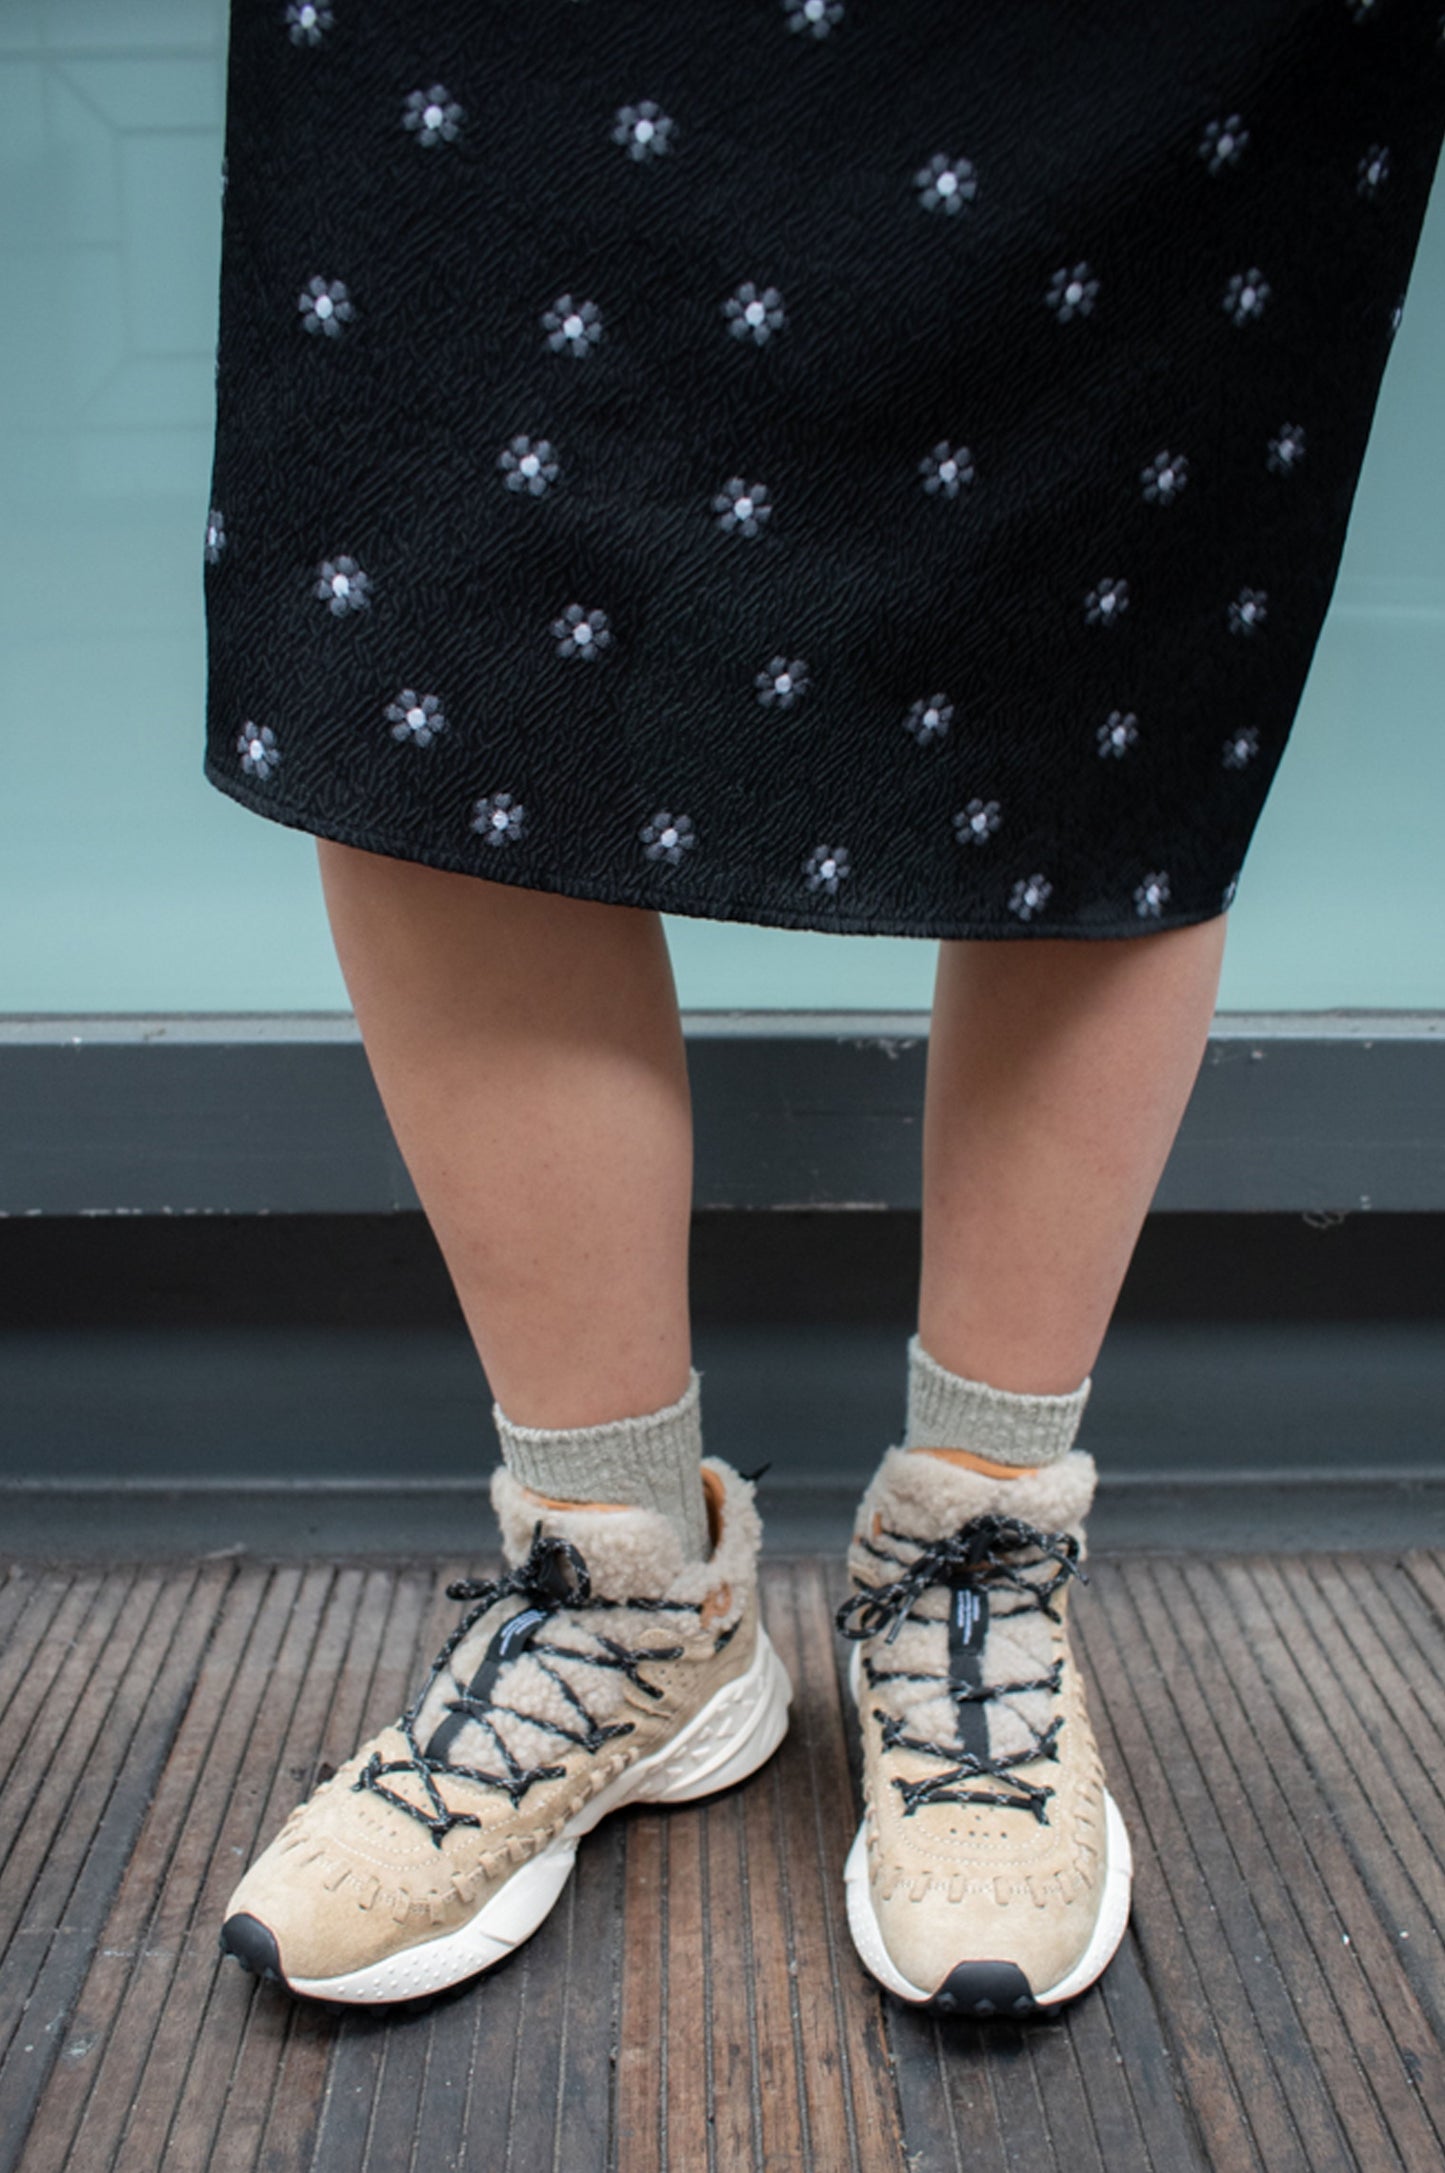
1312 2045
40 1712
322 2115
856 2121
94 1839
594 1989
1405 1879
1427 1573
1264 1938
228 2081
644 2080
1383 2028
1172 1910
52 1763
236 2076
30 1599
777 2072
84 2110
731 2015
1273 1730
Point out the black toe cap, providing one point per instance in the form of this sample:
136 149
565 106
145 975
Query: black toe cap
986 1991
253 1946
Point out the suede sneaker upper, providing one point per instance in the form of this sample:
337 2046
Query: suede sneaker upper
594 1663
986 1832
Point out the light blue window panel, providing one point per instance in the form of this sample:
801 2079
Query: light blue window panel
128 883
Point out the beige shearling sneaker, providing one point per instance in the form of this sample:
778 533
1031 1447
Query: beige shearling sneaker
991 1872
602 1669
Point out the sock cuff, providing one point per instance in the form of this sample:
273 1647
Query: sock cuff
648 1462
948 1411
621 1436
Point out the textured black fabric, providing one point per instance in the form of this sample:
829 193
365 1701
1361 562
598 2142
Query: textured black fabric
1050 330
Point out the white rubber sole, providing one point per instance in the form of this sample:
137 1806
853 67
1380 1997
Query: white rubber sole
736 1732
1109 1926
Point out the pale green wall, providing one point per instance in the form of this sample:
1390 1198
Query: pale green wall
127 883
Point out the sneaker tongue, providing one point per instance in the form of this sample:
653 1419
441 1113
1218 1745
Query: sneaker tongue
968 1637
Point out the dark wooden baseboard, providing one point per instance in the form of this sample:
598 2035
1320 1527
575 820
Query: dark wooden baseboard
193 1114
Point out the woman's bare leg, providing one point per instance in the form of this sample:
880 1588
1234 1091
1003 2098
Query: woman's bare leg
1058 1071
529 1055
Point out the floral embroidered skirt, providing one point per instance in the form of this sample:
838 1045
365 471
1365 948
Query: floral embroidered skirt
872 465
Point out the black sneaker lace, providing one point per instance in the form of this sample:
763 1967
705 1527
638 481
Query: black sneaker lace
553 1579
991 1554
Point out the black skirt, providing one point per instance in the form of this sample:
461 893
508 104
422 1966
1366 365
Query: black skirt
872 465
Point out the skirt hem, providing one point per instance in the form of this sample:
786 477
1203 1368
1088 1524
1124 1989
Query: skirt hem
735 909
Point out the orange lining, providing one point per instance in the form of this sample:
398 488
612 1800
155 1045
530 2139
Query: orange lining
970 1462
549 1501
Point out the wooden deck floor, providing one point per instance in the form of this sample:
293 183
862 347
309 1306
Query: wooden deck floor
1275 1731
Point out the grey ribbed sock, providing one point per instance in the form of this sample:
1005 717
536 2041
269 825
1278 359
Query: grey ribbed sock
945 1411
649 1463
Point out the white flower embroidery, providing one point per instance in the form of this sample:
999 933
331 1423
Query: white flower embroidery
818 16
1373 170
1246 295
783 683
1223 141
416 717
582 633
577 327
215 535
1106 602
529 464
499 818
1247 611
754 313
1227 895
306 20
976 823
946 184
644 128
1164 478
341 583
667 837
256 745
325 306
1072 292
1118 732
946 469
928 721
742 508
1286 449
1030 894
825 868
1398 312
433 116
1241 747
1151 895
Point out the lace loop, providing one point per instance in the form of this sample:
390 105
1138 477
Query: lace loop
978 1552
553 1573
